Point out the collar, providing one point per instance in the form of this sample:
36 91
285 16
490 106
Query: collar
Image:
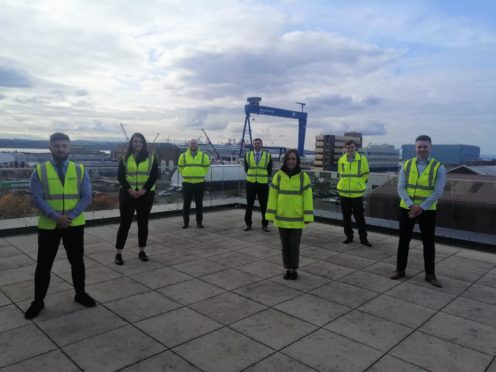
423 161
64 163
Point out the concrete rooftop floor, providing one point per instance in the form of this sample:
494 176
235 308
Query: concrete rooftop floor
222 305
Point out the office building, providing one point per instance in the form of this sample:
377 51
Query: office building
446 154
329 148
382 158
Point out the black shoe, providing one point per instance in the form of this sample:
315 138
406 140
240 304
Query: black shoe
142 256
265 228
397 275
348 241
287 275
294 275
200 225
118 259
185 226
85 299
247 228
431 278
34 310
365 242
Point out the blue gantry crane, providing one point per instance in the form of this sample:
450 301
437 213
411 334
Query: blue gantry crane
253 107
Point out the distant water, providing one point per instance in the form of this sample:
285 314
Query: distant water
34 151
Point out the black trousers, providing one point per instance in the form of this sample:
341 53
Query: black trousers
48 245
290 240
127 206
190 191
254 189
353 206
427 225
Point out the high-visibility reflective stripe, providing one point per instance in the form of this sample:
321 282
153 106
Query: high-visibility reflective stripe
408 167
44 179
195 177
62 196
419 187
275 187
353 175
351 191
306 187
431 174
308 212
193 165
420 198
271 211
289 219
290 192
365 173
79 176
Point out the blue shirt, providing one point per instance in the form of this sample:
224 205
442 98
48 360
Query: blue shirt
438 186
45 208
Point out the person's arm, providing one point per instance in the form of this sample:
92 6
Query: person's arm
269 165
207 164
402 188
38 199
152 179
245 162
180 163
270 214
84 195
438 189
307 200
365 169
121 175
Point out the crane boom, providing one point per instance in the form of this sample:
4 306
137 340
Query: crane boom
124 131
211 144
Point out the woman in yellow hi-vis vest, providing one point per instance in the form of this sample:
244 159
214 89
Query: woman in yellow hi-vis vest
138 172
290 207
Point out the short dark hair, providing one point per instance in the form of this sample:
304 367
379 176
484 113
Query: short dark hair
59 136
423 137
258 139
350 142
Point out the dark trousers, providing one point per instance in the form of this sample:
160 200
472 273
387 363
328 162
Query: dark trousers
353 206
127 206
254 189
427 225
191 190
48 245
290 240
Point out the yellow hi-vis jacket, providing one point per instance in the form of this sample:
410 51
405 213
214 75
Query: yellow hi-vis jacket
62 198
257 172
138 174
290 201
353 176
194 169
420 187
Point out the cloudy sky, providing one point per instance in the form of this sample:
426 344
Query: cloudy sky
391 69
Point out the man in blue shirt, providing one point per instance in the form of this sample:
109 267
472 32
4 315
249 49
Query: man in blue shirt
420 185
61 219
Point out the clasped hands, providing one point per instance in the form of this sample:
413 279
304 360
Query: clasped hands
136 194
415 211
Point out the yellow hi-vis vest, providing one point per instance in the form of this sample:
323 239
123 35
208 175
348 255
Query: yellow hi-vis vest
257 172
290 201
62 198
420 187
138 174
194 169
353 176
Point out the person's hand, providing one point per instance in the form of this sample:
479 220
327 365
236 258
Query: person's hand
415 211
140 193
133 193
63 221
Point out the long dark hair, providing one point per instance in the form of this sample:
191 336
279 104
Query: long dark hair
285 168
143 154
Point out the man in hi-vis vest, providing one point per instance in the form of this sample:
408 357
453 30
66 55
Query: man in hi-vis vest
258 168
193 166
61 190
420 185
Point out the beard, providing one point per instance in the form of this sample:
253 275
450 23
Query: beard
59 158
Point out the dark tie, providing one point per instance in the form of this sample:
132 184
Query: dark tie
257 157
60 173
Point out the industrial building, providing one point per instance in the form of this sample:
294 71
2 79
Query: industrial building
446 154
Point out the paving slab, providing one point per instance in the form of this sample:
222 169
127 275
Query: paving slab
262 269
488 280
231 279
160 278
313 309
233 259
16 275
327 270
268 292
11 317
327 351
305 282
350 261
435 354
259 251
228 307
279 363
79 325
96 274
273 328
481 293
368 281
449 285
473 310
344 294
115 289
16 261
223 350
24 291
398 311
369 330
142 306
165 361
23 343
113 350
462 332
420 295
56 304
4 300
53 361
177 326
200 267
389 363
190 291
